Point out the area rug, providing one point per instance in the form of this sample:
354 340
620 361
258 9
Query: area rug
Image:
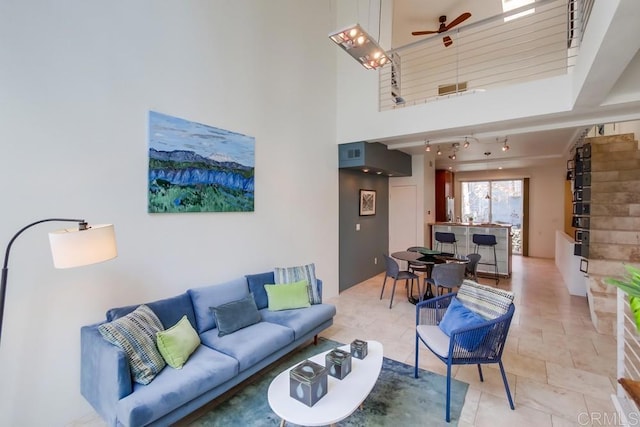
398 399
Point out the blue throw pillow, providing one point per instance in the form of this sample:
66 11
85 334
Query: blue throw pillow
236 315
458 316
256 287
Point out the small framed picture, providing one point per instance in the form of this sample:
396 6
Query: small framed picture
367 202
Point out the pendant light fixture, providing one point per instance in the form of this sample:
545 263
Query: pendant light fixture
427 148
361 46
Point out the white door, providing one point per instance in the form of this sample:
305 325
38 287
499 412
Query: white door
403 222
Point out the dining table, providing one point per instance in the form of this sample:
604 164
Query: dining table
429 258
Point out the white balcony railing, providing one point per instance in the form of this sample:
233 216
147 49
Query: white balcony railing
486 54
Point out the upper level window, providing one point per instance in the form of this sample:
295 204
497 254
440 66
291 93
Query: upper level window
508 5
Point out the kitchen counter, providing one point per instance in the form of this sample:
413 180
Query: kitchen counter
464 235
473 224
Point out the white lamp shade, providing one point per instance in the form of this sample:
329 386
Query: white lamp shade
74 248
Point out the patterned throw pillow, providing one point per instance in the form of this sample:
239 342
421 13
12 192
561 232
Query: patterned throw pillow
296 274
135 333
488 302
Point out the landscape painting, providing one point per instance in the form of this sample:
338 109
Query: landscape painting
198 168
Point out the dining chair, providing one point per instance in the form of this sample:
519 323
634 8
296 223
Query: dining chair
477 341
393 271
417 267
471 269
446 276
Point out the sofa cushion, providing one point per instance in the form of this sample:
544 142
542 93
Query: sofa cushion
302 320
256 284
135 333
288 296
235 315
251 344
168 310
177 343
172 388
295 274
213 296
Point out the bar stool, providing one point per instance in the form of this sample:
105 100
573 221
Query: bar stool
487 240
446 238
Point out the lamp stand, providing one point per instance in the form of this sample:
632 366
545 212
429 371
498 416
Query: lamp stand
5 270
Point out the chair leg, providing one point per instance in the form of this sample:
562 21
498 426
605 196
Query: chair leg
415 369
480 373
383 284
506 385
393 291
448 414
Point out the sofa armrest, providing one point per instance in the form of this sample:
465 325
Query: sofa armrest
105 376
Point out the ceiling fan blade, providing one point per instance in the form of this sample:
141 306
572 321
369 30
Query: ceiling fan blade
460 19
422 33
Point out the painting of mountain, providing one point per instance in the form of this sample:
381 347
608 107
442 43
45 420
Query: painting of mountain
198 168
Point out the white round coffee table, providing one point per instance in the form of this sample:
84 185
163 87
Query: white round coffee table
343 396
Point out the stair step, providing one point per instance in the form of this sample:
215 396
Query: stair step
615 186
612 210
614 251
615 223
615 175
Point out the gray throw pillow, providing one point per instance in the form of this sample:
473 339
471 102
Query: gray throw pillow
236 315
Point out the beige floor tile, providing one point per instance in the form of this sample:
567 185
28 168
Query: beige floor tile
492 380
523 366
495 412
538 349
588 383
550 399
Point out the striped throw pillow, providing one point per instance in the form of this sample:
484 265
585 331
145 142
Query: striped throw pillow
296 274
135 333
488 302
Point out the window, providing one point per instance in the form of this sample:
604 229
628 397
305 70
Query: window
508 5
498 202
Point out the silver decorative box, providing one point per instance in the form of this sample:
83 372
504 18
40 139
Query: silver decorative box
308 382
359 349
338 363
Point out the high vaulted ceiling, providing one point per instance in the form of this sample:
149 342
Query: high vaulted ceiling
611 89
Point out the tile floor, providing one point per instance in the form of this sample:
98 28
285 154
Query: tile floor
560 370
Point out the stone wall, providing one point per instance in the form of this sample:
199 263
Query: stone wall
615 221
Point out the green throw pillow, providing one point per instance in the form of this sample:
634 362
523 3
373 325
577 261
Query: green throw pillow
177 343
288 296
135 333
295 274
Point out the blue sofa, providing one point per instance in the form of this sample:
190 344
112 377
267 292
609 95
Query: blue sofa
217 365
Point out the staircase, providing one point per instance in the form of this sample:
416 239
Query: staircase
615 221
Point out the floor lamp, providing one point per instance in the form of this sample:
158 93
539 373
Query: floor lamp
72 247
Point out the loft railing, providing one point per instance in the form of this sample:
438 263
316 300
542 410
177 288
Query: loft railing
486 54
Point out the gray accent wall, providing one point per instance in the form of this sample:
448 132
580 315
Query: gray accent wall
358 249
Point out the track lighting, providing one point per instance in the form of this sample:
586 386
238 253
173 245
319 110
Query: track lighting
505 147
428 147
439 152
466 143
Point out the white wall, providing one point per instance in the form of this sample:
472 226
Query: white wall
546 202
77 81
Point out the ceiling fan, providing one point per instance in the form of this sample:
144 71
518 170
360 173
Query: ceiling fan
445 27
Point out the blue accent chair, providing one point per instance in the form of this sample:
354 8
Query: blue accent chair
491 334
